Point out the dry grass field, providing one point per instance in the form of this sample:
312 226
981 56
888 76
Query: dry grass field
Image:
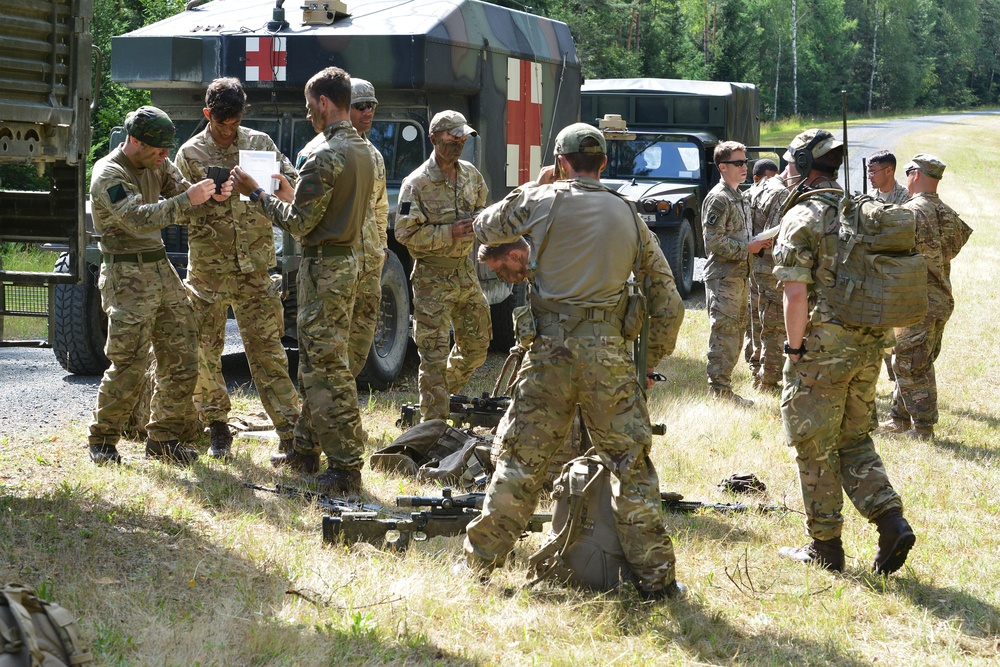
169 566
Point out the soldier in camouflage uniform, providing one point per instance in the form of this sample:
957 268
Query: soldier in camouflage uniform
941 233
585 242
830 378
325 212
140 290
437 203
882 176
230 249
372 244
727 271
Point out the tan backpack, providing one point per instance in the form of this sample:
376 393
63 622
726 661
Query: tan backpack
36 633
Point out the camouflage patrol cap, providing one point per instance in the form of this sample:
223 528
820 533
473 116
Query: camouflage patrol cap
362 91
826 142
151 126
453 123
927 164
570 137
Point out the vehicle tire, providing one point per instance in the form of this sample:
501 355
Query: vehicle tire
392 332
678 245
502 317
80 324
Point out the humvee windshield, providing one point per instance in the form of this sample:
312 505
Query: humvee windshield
653 157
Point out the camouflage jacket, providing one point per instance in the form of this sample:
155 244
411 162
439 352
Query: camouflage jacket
429 204
334 190
126 206
899 195
585 254
374 233
726 228
941 233
232 235
767 199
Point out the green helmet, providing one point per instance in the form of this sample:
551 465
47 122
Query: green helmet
151 126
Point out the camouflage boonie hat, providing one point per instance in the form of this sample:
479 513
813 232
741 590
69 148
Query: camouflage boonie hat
927 164
362 91
570 137
826 144
151 126
453 123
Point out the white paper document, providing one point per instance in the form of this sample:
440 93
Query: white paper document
261 166
767 234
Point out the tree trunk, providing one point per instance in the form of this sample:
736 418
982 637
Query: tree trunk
871 84
795 58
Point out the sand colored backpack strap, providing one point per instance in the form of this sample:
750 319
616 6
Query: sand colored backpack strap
38 633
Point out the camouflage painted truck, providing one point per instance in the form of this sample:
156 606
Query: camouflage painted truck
45 75
664 163
515 76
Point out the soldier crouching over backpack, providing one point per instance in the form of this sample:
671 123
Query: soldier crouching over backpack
830 375
585 242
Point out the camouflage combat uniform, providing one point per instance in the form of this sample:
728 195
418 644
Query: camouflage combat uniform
727 271
143 297
579 356
940 233
899 195
767 324
446 290
230 249
326 216
829 394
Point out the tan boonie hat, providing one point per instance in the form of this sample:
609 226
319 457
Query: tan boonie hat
362 91
569 140
927 164
453 123
826 143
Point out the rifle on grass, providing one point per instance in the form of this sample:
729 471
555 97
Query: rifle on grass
674 502
483 411
331 505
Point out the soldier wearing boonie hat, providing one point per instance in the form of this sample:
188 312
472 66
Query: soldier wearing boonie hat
940 235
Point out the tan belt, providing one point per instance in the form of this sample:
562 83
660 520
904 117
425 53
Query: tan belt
134 257
449 263
326 251
581 330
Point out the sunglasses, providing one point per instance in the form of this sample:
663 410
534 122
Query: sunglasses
364 106
872 172
911 170
736 163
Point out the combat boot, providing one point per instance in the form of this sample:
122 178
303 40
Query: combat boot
732 397
103 453
307 464
672 591
920 433
895 539
828 554
221 440
892 426
335 481
170 451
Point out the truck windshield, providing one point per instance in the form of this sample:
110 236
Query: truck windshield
653 158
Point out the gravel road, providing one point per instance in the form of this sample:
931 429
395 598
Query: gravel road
38 397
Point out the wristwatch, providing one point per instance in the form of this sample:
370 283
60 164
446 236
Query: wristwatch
255 195
791 350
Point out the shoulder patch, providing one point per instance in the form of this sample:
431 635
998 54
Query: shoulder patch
404 208
116 193
716 210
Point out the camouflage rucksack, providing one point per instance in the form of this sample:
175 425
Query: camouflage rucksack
36 633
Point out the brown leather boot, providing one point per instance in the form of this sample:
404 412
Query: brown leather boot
221 440
170 451
828 554
307 464
336 481
895 539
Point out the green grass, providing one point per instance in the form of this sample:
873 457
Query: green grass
170 566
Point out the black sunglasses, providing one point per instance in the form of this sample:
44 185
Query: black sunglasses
737 163
364 106
911 170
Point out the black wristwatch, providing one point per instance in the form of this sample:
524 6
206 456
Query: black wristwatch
255 195
791 350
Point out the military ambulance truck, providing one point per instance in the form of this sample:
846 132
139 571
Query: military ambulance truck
664 159
515 76
45 78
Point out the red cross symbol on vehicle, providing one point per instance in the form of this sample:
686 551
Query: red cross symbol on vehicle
266 59
524 120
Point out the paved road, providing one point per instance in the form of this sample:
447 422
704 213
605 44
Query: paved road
37 396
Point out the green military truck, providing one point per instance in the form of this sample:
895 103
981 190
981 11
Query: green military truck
45 74
515 76
664 161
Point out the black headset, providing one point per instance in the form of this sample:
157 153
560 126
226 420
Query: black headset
803 157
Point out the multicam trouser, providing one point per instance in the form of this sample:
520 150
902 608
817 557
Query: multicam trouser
145 303
915 394
366 313
256 302
330 420
767 324
826 405
727 300
558 373
444 299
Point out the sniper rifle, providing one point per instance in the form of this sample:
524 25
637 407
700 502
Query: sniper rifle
483 411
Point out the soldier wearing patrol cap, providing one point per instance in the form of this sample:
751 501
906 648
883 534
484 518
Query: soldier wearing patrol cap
585 241
140 290
830 374
940 233
372 243
437 203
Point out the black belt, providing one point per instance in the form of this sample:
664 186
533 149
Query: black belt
326 250
134 257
